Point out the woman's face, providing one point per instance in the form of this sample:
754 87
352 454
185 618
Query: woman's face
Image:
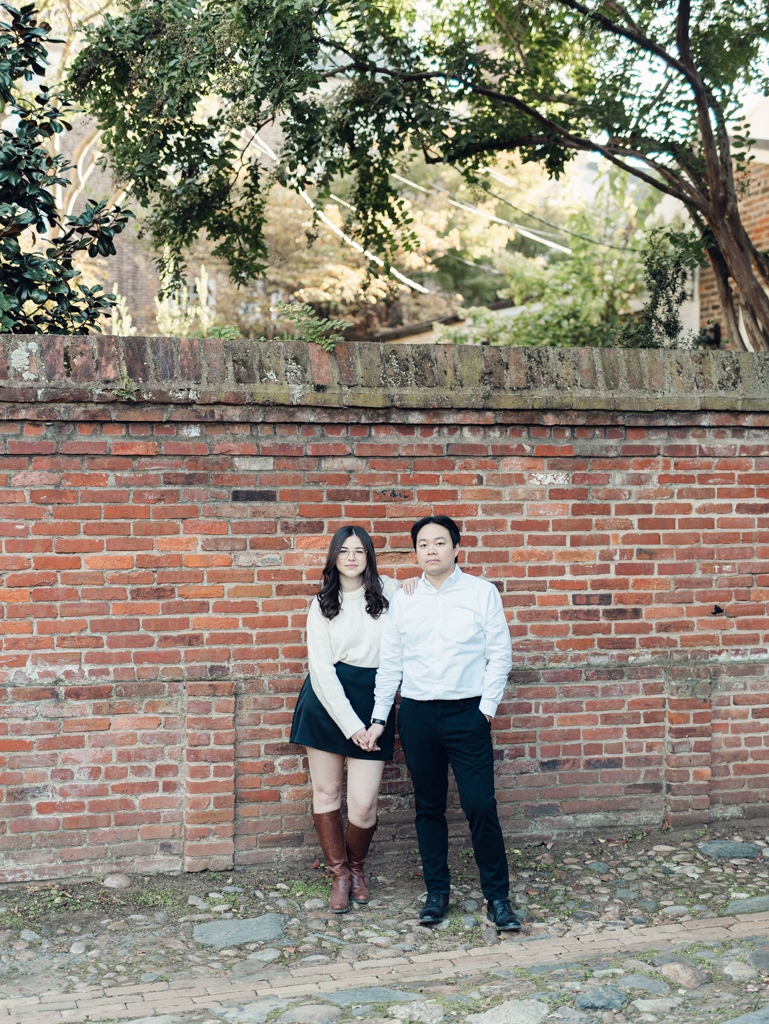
351 561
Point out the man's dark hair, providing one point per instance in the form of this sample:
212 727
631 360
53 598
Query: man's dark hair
444 521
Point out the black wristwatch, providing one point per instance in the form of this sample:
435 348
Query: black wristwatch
378 721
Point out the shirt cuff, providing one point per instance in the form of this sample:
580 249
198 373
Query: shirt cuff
487 707
381 711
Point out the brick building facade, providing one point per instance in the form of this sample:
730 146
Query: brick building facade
158 557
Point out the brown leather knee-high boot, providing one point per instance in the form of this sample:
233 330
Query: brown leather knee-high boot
331 835
358 842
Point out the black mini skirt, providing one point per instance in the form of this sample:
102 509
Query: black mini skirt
314 727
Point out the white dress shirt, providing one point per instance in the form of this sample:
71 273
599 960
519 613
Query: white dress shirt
445 644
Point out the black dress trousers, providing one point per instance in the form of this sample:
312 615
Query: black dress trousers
434 735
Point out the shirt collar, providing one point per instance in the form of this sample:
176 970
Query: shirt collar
450 581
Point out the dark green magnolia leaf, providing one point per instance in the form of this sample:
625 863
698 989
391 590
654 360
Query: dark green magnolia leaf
28 176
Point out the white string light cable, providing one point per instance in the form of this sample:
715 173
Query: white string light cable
340 234
565 231
446 255
482 213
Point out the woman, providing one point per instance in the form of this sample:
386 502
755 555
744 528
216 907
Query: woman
344 627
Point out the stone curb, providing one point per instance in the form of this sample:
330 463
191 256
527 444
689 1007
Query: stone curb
129 1001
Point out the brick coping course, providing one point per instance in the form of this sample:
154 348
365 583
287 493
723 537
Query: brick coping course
210 378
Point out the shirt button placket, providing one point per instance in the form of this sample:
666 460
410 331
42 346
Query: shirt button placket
437 653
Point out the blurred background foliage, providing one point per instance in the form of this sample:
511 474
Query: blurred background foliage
462 259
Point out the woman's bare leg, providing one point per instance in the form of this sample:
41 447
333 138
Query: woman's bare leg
364 778
326 776
363 781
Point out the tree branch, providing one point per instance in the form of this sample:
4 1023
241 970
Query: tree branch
516 45
632 36
672 183
620 9
339 71
360 65
587 145
761 261
725 297
682 33
717 159
659 95
679 188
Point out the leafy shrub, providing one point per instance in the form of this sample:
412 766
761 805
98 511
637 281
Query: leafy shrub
37 246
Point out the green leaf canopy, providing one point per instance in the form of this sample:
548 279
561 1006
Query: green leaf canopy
355 88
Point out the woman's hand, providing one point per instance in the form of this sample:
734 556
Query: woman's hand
360 739
410 585
374 732
363 740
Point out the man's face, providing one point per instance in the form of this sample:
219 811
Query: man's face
435 552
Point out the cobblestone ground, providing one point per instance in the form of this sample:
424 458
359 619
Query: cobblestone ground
653 927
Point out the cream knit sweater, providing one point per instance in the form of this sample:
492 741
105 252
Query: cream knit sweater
352 637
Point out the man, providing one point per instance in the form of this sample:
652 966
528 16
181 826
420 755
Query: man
450 645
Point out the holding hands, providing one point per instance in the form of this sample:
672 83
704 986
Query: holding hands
366 739
363 739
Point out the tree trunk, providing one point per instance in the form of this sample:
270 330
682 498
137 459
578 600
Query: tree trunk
752 329
754 299
725 297
761 261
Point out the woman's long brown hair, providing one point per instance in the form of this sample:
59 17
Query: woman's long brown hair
329 596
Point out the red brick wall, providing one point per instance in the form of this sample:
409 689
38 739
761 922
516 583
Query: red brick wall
153 624
754 210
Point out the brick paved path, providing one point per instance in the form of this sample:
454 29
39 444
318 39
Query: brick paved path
131 1001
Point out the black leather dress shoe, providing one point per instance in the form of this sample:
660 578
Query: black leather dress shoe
435 907
503 917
